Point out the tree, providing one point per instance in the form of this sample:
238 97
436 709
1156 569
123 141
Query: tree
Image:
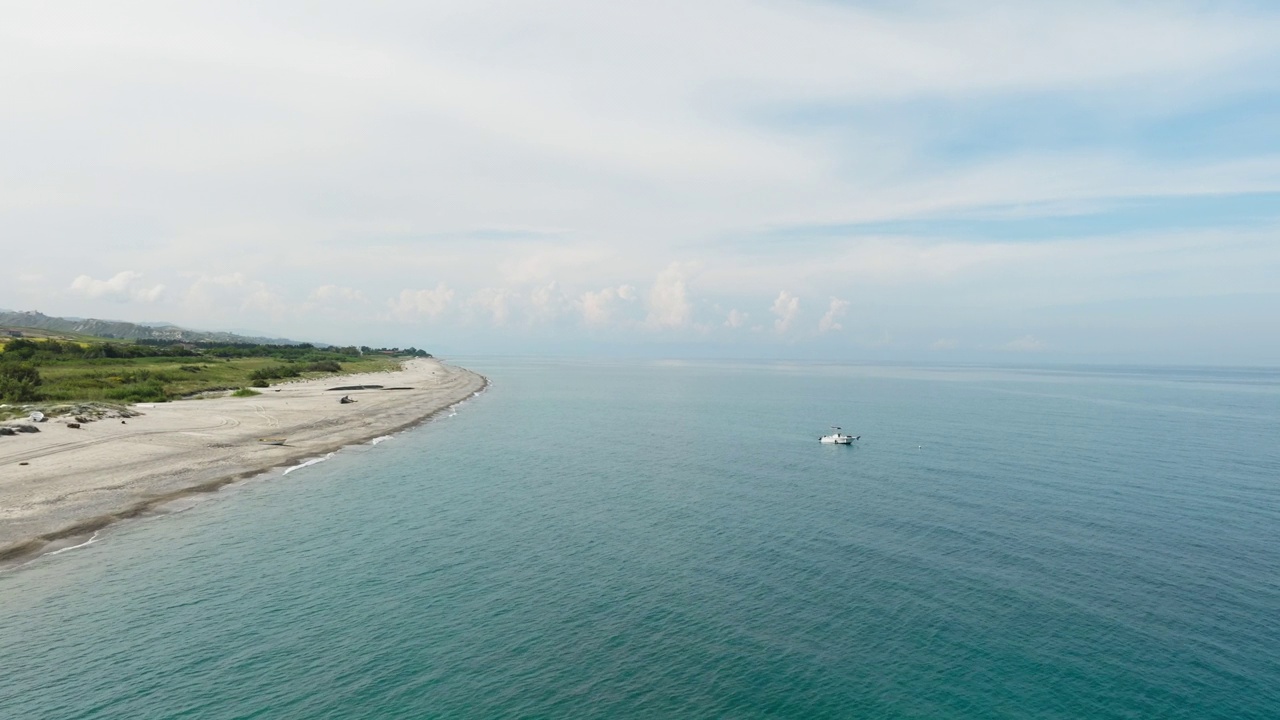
19 382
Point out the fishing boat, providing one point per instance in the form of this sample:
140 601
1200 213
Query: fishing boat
272 440
838 438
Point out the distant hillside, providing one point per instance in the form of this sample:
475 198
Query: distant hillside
125 330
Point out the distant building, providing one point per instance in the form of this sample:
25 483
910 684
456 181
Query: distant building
11 333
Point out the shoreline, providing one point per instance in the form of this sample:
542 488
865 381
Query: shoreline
74 486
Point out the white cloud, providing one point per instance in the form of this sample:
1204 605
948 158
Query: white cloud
468 142
1026 343
735 319
496 303
123 287
421 304
547 302
784 309
669 305
233 292
337 293
598 307
831 320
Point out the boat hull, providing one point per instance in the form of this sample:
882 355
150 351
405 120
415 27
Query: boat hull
838 439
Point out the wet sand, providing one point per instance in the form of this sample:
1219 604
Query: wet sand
77 481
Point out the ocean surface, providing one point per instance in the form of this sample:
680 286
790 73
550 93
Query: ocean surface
669 540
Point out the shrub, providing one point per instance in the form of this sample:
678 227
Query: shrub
20 382
245 392
149 391
324 366
274 372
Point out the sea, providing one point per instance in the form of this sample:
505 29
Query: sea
668 539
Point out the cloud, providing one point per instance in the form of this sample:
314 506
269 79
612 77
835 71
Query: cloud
123 287
784 309
337 293
669 305
496 303
421 304
547 302
1026 343
735 319
871 152
831 320
598 307
236 293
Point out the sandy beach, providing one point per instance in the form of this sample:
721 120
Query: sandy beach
76 481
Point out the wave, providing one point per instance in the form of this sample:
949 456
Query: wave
379 439
307 463
73 547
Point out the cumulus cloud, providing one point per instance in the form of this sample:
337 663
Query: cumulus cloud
669 305
337 293
547 302
123 287
233 291
735 319
784 309
831 320
598 307
496 303
1026 343
421 304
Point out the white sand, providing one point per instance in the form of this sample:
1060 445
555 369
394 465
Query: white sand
76 481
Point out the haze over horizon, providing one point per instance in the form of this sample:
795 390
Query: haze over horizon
1017 182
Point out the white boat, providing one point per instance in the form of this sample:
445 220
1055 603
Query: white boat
838 438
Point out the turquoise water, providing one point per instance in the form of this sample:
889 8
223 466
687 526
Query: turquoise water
669 540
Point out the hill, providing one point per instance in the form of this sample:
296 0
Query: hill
116 329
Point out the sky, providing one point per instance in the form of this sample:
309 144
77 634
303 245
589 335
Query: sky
1016 182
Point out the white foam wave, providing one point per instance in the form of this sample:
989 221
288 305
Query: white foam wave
73 547
306 463
380 438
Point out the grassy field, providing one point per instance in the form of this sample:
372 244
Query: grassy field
158 379
52 370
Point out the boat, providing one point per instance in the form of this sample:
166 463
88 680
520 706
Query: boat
838 438
272 440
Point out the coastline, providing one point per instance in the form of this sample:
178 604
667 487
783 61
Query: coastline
78 481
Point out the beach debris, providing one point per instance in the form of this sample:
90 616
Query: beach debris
24 462
346 399
74 426
26 428
272 440
37 417
8 431
82 419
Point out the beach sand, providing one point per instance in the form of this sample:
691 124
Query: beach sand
77 481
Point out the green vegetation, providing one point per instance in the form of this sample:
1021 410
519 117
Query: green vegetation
20 382
54 370
245 392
